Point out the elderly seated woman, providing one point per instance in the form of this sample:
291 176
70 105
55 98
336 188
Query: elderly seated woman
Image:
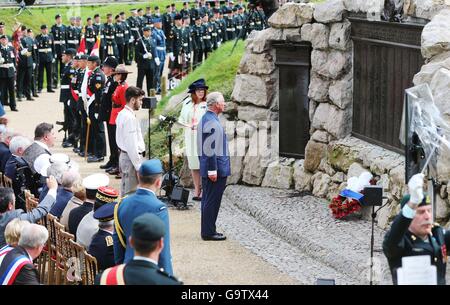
79 196
12 236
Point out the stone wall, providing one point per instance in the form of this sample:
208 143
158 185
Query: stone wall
332 154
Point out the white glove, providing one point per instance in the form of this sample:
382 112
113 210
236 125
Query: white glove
415 187
53 61
24 52
146 55
2 60
157 61
34 66
96 115
172 58
219 43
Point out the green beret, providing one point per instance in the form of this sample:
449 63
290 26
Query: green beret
148 227
426 200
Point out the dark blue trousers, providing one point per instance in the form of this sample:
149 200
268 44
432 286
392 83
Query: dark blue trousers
211 199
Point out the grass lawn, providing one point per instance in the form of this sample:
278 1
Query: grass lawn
219 71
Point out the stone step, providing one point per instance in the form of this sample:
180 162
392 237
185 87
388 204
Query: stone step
307 225
272 248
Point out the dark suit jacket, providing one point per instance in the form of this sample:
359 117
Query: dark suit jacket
32 152
28 275
77 214
5 154
62 198
140 272
102 249
212 146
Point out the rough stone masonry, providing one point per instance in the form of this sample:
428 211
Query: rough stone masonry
332 154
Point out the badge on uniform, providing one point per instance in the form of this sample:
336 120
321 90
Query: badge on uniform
98 86
109 241
98 78
444 253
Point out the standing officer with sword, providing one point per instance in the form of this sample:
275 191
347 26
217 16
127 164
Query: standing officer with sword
147 60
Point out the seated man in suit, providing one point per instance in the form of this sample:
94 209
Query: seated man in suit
18 171
214 164
8 211
17 267
44 139
147 241
143 201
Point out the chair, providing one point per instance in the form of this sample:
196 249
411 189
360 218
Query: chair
31 203
51 246
77 254
60 260
7 182
91 268
65 254
2 184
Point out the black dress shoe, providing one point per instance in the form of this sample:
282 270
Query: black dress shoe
30 99
76 150
81 154
215 237
14 109
92 159
39 91
19 99
114 171
67 144
35 95
197 198
106 166
118 176
51 91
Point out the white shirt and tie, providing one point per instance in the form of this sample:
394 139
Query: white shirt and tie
129 136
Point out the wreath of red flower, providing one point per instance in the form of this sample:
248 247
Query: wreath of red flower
341 206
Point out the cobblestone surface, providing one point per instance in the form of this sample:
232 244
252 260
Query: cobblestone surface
299 236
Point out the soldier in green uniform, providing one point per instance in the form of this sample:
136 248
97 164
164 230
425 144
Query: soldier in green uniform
147 60
90 33
133 24
187 41
413 232
120 39
147 241
228 16
72 35
58 31
176 47
127 37
65 96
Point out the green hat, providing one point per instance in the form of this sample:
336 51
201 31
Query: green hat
426 200
148 227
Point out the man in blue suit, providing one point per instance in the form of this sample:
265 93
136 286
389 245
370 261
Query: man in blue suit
131 207
214 164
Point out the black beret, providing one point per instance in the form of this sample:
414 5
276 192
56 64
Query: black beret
148 227
77 57
2 23
146 28
156 7
173 4
43 27
122 13
117 17
57 16
93 58
109 15
178 17
3 36
85 57
88 19
70 51
96 15
139 10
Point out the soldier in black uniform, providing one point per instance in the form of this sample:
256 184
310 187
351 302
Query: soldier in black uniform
146 233
156 12
76 104
133 24
97 24
72 35
127 38
95 87
25 67
34 75
3 32
177 45
65 96
90 34
141 20
45 47
120 39
7 72
167 21
215 33
109 65
187 41
109 38
238 23
223 26
58 32
80 106
148 18
230 29
413 233
102 245
185 10
197 41
207 35
147 61
79 28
